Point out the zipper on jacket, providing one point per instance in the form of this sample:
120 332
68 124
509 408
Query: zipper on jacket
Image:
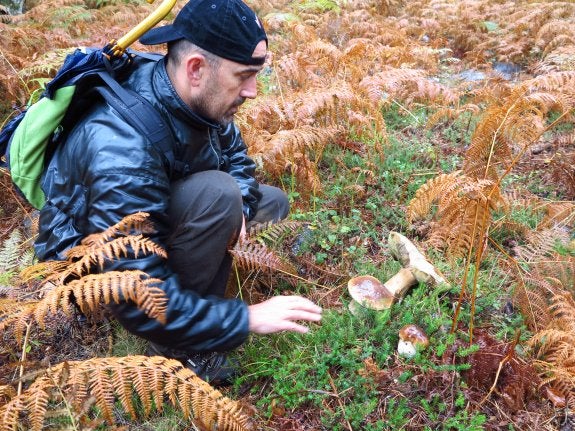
220 161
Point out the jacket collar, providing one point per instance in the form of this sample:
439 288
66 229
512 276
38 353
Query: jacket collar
171 100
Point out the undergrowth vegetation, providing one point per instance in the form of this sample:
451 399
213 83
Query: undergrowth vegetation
448 121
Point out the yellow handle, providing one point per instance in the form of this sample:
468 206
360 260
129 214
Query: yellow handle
150 21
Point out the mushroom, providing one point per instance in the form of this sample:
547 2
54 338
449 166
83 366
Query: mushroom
369 292
410 257
411 339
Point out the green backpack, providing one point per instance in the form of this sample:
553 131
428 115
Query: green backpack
29 139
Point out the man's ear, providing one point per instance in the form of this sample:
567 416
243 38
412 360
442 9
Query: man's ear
195 68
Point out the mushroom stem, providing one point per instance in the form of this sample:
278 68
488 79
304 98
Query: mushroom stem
399 283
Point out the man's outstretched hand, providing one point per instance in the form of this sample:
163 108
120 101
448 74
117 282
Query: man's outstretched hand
280 314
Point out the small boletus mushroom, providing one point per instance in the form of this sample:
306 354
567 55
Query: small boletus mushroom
411 339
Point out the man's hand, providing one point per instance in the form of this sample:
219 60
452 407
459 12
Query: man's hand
280 313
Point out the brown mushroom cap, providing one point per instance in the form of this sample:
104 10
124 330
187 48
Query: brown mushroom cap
415 335
369 292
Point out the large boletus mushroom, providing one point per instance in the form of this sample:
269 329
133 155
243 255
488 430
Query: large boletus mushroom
369 292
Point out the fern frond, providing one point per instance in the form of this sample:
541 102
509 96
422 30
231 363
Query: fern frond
116 248
464 208
88 294
272 231
561 268
409 85
490 151
112 378
533 303
44 269
138 222
563 309
429 193
17 318
541 244
254 256
291 147
558 214
10 251
552 82
326 106
562 172
7 392
91 291
550 342
294 70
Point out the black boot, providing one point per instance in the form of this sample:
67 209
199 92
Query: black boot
213 367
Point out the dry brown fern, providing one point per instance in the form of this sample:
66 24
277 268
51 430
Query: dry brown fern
92 291
544 294
507 129
558 214
77 284
289 151
256 257
541 244
554 345
562 172
406 85
102 383
463 213
259 250
122 239
531 299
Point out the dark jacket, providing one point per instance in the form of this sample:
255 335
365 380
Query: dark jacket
105 171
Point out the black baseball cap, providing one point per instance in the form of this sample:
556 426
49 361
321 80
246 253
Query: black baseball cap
226 28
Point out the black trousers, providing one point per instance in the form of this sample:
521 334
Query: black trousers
206 215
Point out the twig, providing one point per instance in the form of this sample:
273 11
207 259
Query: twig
67 405
24 347
406 110
339 401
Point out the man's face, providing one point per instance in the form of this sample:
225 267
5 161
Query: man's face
226 87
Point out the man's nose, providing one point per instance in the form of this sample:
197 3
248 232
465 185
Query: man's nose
250 90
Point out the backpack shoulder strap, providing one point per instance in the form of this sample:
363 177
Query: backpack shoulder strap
140 113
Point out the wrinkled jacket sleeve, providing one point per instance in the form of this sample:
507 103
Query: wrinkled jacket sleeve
124 179
241 167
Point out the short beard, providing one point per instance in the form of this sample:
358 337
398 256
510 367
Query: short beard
202 109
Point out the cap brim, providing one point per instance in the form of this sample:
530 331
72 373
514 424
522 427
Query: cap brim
164 34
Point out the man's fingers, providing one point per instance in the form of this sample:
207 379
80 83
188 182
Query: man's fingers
310 308
301 303
302 315
281 313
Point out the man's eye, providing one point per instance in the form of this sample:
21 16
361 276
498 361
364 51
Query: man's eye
246 76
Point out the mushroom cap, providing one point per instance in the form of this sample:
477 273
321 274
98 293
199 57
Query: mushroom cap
369 292
415 335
